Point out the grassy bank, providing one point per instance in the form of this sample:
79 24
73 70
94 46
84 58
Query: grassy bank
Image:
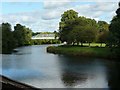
98 52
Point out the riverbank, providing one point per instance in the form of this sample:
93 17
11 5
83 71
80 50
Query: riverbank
97 52
34 42
12 84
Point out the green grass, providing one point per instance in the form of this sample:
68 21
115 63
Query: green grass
94 44
99 52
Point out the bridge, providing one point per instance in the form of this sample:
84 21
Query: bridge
44 36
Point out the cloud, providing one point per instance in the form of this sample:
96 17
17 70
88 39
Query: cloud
97 10
50 14
54 8
50 4
48 18
32 20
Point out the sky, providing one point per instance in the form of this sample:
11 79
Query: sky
45 15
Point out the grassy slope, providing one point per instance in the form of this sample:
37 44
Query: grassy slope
81 51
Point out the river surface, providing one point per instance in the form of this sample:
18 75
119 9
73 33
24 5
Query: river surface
34 66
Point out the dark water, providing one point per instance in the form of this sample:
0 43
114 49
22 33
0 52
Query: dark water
34 66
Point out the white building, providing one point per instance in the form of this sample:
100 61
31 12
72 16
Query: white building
44 36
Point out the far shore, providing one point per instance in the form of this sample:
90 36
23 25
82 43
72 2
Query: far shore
78 51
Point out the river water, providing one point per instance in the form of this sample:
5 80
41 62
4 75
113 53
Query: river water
34 66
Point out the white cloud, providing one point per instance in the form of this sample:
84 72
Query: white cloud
54 8
97 10
50 14
48 19
49 4
32 20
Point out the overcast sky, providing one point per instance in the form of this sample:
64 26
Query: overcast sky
44 15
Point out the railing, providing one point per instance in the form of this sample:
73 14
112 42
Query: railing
9 83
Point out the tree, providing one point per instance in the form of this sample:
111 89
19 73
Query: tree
65 26
103 26
8 42
103 32
103 37
115 28
27 36
85 30
56 34
90 30
22 35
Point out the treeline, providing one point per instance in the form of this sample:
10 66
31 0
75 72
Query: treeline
45 41
21 36
75 29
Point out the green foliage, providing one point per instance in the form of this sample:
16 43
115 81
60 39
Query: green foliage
115 31
45 41
22 35
74 29
35 33
11 39
69 15
114 36
103 26
103 32
7 38
82 51
66 24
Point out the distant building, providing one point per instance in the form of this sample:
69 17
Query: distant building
44 36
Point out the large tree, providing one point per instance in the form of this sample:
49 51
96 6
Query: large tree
83 30
65 26
115 29
114 39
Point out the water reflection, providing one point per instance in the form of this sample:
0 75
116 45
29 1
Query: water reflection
72 79
114 76
83 72
32 65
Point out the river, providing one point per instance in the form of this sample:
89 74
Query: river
34 66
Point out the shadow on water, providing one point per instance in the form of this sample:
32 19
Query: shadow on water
114 78
79 71
89 72
71 79
71 75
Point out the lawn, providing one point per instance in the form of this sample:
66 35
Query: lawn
93 51
95 44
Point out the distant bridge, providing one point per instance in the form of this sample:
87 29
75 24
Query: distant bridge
44 36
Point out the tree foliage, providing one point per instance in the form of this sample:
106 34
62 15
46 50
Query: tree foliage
74 29
65 25
115 29
114 38
103 32
23 35
11 39
7 38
